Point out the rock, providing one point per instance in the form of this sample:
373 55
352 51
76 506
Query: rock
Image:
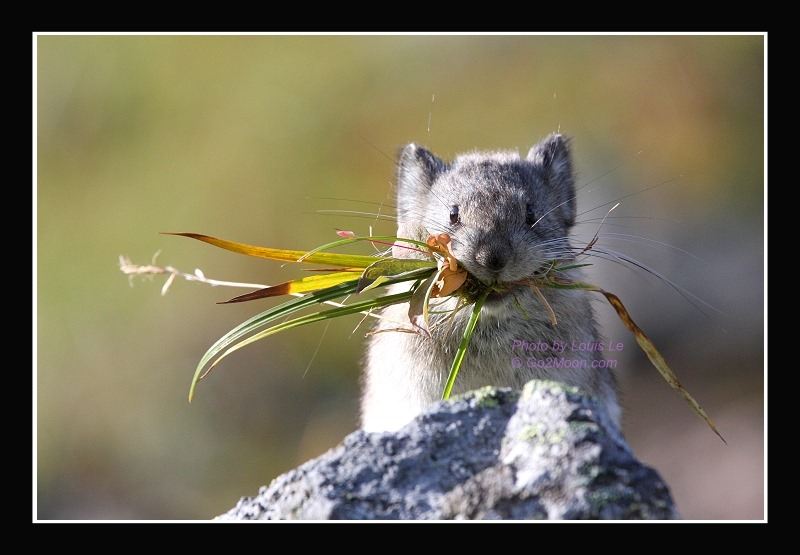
547 452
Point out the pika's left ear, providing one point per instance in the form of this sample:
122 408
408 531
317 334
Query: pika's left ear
553 159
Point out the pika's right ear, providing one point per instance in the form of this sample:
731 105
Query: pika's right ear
417 169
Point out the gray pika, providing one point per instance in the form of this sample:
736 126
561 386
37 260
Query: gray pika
507 217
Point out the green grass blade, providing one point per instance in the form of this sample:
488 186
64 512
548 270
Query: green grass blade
387 240
283 310
260 320
392 267
462 348
418 307
354 308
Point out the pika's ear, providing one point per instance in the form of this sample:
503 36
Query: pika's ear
417 169
552 156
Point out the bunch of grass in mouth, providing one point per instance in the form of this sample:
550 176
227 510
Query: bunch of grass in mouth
438 275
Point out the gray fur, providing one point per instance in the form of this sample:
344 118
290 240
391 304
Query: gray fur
514 216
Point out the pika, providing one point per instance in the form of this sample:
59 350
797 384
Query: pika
508 217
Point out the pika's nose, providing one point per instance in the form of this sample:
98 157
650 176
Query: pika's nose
492 257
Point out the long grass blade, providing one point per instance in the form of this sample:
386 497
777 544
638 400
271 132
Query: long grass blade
260 320
644 343
387 240
462 348
392 267
303 285
286 309
658 361
342 260
354 308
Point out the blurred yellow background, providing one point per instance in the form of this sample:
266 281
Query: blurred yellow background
256 138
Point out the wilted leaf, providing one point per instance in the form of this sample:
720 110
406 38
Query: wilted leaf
644 343
658 361
448 281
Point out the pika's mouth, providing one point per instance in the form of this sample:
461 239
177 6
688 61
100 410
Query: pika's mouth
499 295
505 292
499 292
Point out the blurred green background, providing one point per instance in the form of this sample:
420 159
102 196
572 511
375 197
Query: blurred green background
255 138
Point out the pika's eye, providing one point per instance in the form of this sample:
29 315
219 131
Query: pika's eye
454 219
530 216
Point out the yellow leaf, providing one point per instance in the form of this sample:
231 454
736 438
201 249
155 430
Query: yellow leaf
303 285
342 260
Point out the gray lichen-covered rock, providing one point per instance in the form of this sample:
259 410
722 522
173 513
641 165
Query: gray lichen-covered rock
547 452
